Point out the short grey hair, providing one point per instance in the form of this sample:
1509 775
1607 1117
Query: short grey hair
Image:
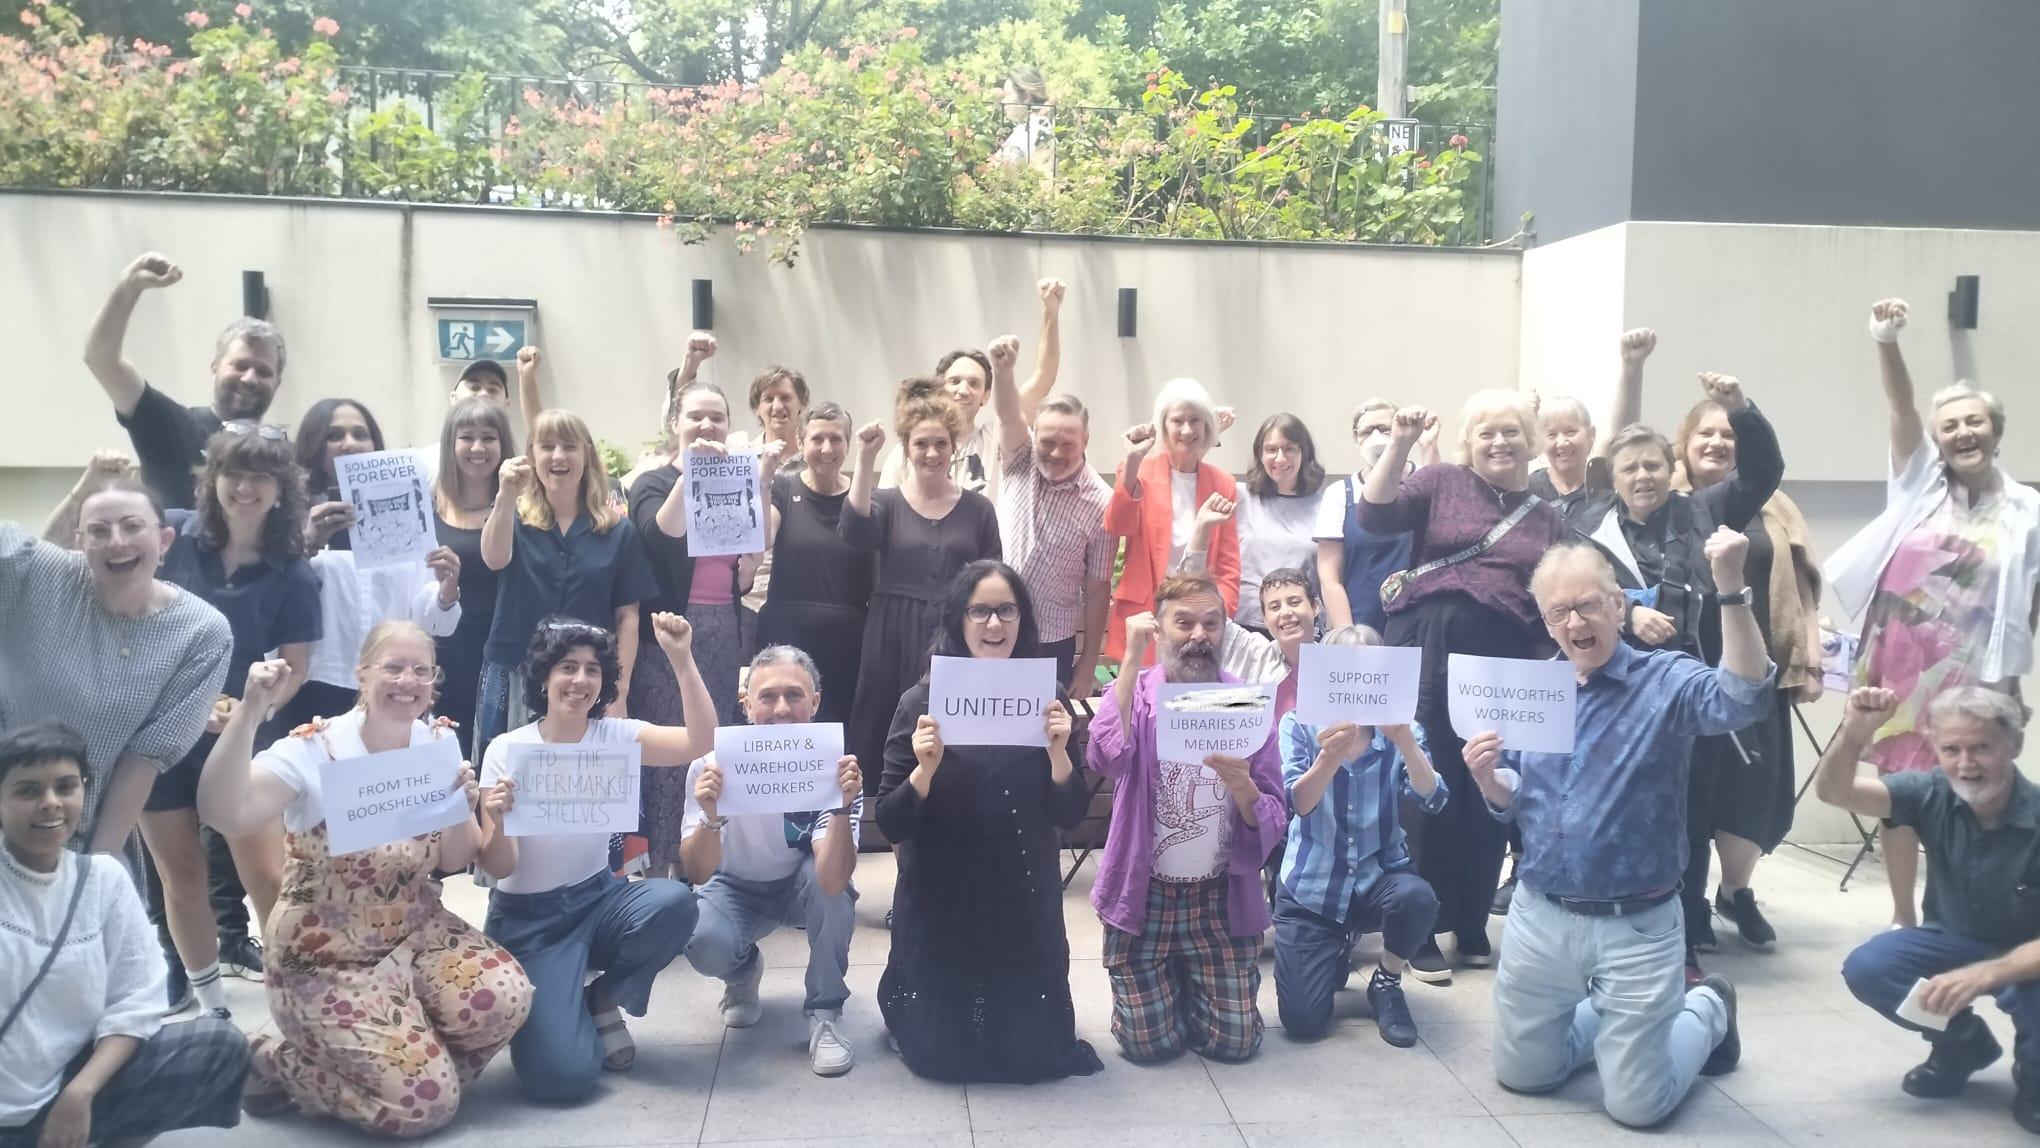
1964 389
1635 435
1369 405
784 655
1069 405
1567 555
1980 703
1351 635
1564 406
254 332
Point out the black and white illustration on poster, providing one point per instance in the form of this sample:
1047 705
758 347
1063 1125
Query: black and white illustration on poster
392 508
724 514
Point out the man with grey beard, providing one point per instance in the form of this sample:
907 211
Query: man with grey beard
1179 882
1979 819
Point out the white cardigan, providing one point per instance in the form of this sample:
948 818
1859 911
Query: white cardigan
353 601
1913 493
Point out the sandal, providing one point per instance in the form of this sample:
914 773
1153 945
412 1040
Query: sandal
619 1051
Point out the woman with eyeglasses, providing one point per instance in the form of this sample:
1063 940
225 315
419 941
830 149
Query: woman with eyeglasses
242 551
977 986
352 600
1284 489
1353 561
556 905
473 442
387 1003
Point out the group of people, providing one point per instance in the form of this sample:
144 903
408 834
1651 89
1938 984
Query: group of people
186 652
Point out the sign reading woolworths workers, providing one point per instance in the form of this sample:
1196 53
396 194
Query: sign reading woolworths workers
387 797
1528 702
1195 720
779 768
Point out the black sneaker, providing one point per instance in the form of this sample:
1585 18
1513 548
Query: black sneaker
1964 1050
179 985
1700 933
1391 1011
2026 1098
1729 1051
1499 907
1474 951
1430 965
242 958
1748 920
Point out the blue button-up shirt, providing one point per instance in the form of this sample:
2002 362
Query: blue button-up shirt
1607 822
1351 837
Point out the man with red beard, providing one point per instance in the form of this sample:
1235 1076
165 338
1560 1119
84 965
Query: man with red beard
1179 883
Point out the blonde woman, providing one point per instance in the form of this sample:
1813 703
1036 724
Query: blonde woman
387 1003
562 549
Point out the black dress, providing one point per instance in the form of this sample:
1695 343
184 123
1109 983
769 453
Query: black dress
819 593
978 984
915 561
460 653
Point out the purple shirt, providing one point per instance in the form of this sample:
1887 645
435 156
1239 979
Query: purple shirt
1120 891
1445 508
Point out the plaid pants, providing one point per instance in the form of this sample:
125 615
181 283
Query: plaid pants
188 1075
1185 982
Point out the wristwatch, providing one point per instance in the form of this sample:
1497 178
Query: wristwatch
1741 597
715 823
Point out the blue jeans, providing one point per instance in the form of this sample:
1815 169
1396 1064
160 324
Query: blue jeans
1310 950
1884 968
736 914
629 930
1573 990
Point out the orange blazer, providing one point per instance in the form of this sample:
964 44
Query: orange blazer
1146 523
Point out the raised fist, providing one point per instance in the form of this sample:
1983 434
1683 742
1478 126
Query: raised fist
1725 390
1051 291
1638 344
515 475
1887 319
1410 424
1140 634
870 438
700 347
1004 352
527 360
1138 439
150 271
1726 550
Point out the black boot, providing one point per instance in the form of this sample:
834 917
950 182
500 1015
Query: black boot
1964 1050
2026 1100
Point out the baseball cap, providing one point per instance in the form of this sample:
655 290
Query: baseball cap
485 367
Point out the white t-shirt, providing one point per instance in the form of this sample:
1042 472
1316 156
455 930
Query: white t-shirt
1274 532
1192 823
1183 514
295 760
555 860
754 845
1332 507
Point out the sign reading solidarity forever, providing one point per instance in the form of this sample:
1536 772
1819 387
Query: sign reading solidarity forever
1366 685
387 797
1528 702
991 701
392 508
779 768
723 511
573 788
1194 721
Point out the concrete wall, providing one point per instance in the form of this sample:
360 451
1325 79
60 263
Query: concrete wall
1268 328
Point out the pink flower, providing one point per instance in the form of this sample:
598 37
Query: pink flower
290 66
909 32
337 97
532 97
30 18
326 26
176 68
244 10
197 19
1457 141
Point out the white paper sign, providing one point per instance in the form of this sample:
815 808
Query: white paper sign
1529 702
573 788
392 508
1367 685
779 768
991 701
724 512
387 797
1194 721
1914 1009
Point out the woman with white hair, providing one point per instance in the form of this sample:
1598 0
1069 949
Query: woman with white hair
1477 532
1943 581
1575 473
1155 500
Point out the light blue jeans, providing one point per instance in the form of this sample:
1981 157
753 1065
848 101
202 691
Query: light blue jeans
1573 990
736 914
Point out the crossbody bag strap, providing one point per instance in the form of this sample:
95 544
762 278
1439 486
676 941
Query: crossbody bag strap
1487 540
84 863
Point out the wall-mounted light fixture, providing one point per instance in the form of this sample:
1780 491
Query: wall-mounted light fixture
1962 303
254 295
704 305
1129 312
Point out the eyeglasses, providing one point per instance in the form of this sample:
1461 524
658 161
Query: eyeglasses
1591 608
398 671
244 427
1007 612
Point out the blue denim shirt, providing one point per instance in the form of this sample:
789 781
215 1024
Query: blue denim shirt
1607 822
1352 836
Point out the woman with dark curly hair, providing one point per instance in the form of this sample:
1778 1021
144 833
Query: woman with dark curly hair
978 983
242 552
556 906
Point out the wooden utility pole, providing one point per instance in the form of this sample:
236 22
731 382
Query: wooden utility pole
1391 91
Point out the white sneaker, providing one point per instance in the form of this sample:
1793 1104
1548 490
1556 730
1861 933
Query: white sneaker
740 1007
826 1046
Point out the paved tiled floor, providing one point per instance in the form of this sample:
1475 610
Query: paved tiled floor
1817 1069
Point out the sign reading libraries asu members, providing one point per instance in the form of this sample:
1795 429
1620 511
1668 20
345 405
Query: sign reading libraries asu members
991 701
1530 703
723 511
387 797
1366 685
392 501
779 768
1195 720
573 788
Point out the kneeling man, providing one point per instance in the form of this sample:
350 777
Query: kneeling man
1593 960
756 871
1979 818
